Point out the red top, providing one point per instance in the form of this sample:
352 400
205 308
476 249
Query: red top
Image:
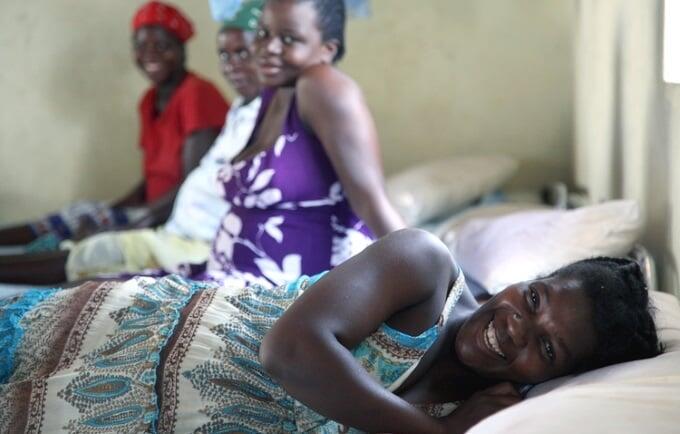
196 104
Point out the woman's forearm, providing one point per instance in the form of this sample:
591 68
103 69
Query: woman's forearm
135 197
378 213
160 209
326 377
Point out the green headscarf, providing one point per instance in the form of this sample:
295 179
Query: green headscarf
247 16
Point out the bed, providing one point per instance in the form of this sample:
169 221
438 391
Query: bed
499 239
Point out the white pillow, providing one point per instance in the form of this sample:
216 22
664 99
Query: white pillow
448 229
499 251
435 188
634 397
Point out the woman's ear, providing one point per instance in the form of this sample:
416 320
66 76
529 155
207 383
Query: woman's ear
330 50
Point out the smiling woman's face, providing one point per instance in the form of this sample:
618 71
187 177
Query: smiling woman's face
237 63
289 41
157 53
530 332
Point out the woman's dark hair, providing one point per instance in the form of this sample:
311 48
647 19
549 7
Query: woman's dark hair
331 22
622 317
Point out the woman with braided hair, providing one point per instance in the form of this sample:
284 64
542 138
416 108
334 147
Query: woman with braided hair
616 287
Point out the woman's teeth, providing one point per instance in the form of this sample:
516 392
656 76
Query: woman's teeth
492 340
152 67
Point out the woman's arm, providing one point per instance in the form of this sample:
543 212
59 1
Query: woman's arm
134 197
481 405
333 106
194 148
307 350
154 213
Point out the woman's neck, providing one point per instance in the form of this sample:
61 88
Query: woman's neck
268 129
165 90
443 378
451 379
247 99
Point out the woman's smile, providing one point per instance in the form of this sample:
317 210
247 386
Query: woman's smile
152 67
157 53
289 41
491 339
529 332
268 67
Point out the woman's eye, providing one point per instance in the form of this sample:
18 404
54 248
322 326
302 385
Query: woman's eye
287 40
549 350
261 34
535 299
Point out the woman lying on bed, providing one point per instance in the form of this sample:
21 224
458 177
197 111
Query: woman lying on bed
388 341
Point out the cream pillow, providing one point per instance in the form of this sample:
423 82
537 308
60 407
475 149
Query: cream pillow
433 189
499 251
448 229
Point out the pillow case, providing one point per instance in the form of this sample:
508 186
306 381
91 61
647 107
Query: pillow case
435 188
499 251
448 229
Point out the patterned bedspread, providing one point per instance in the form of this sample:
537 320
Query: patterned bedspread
85 360
166 355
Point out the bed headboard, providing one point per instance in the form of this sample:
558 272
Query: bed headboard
642 256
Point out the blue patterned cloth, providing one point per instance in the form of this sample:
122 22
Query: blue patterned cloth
126 364
223 10
358 8
12 310
238 395
73 219
90 354
168 355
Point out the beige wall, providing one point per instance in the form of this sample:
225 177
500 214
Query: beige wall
463 76
443 77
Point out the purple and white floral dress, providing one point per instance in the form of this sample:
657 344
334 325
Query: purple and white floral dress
288 213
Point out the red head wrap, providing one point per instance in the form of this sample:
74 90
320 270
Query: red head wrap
155 13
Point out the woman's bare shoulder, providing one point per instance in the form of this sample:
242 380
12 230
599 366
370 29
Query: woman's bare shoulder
421 250
321 82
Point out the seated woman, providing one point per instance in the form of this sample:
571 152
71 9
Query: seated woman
199 206
310 175
181 115
388 341
307 191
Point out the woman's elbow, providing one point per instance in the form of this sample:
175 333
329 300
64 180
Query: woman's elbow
280 353
378 213
271 355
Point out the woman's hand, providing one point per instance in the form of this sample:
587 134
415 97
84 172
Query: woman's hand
481 405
